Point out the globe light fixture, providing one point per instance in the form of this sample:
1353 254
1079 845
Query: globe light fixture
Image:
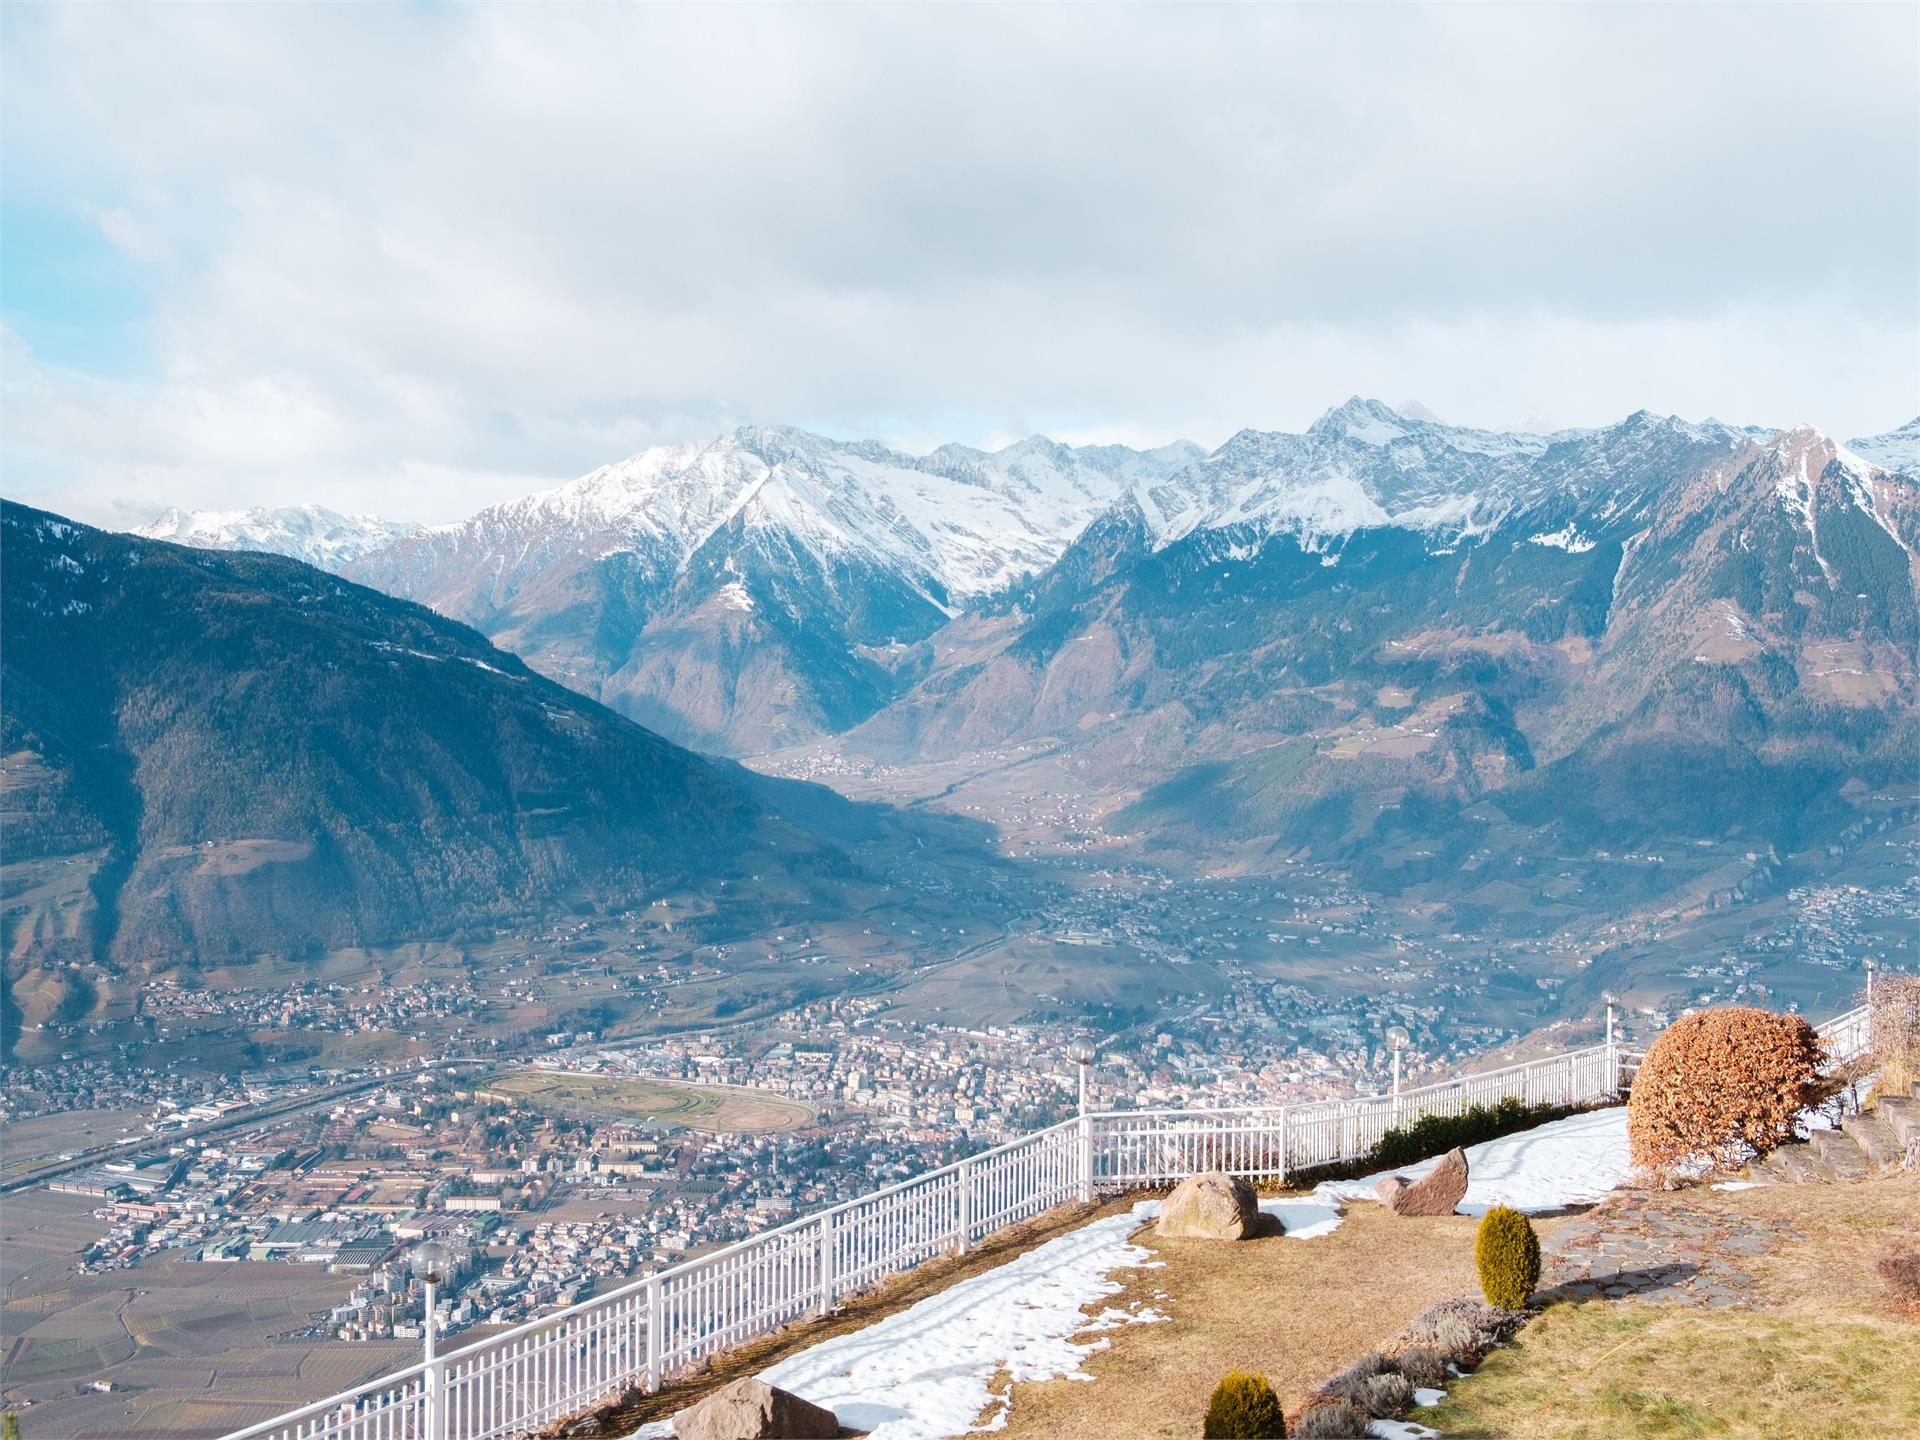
1398 1039
430 1264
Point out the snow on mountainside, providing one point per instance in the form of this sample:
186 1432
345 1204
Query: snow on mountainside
1364 466
1896 450
960 521
764 587
312 533
773 586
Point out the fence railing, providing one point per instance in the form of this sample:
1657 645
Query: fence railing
1848 1036
645 1332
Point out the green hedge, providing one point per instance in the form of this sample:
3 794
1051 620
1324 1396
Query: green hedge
1436 1134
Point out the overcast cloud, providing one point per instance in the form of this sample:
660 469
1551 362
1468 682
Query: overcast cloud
413 259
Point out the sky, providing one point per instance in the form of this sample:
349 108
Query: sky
412 259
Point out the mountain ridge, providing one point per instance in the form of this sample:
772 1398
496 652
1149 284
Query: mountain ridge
773 587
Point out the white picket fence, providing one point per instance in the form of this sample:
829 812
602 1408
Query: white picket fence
650 1330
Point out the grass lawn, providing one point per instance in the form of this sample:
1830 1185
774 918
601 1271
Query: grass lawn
1601 1370
1815 1353
1819 1356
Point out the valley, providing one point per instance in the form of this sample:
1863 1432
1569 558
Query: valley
1042 733
345 924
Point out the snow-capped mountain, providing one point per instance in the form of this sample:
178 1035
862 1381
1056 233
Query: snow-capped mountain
773 586
1363 466
960 522
761 588
1896 450
1413 647
311 533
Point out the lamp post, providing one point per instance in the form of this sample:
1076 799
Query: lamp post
1399 1039
430 1263
1869 980
1082 1056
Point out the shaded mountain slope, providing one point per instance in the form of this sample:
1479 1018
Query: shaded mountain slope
247 755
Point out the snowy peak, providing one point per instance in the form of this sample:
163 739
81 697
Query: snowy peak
311 533
1897 450
1364 465
1368 421
959 522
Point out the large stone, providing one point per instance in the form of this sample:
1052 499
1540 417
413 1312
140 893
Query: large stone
1440 1193
751 1409
1211 1207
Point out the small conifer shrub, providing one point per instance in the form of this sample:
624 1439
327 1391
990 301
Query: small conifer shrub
1244 1407
1507 1253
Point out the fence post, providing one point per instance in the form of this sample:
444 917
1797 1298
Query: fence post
656 1334
1613 1056
965 1235
1086 1158
436 1396
826 1263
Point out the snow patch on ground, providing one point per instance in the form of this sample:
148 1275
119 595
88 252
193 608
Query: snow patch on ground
1401 1430
923 1374
1304 1219
1576 1161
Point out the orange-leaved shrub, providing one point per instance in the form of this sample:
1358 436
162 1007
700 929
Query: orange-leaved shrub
1720 1086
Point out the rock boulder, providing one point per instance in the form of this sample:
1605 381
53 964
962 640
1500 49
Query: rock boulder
751 1409
1440 1193
1211 1207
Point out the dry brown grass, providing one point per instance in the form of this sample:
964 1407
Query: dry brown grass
1834 1272
1298 1310
1822 1354
1895 1022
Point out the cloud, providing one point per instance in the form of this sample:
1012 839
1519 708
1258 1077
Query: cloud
413 258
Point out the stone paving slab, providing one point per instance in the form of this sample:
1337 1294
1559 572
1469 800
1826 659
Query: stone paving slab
1658 1249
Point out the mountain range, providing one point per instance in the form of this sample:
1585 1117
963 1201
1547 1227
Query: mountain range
737 596
1436 654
